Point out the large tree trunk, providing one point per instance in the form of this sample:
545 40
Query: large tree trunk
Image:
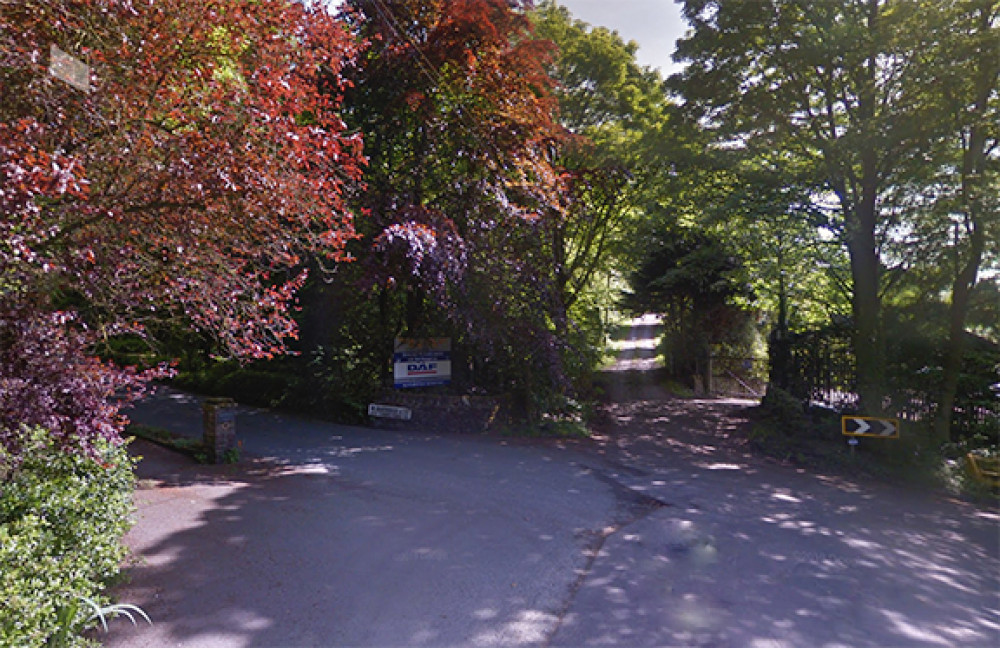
869 347
860 221
779 345
869 344
974 170
955 349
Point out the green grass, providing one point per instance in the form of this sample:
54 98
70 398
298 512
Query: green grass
678 389
193 448
548 430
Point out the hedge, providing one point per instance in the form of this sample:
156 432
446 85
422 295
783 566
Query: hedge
62 517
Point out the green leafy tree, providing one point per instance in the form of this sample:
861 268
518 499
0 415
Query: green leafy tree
796 270
691 276
835 85
965 83
616 108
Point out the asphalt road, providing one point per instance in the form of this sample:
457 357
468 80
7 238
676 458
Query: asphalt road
664 531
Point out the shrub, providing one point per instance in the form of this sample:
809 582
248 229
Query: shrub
62 517
342 380
785 411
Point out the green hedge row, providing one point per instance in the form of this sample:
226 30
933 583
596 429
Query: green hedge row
62 518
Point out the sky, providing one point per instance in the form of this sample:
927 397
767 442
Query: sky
654 25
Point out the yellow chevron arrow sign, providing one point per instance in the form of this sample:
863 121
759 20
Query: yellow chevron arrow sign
870 426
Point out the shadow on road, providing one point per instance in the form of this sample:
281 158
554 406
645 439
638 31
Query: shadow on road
747 552
292 559
361 538
738 559
373 538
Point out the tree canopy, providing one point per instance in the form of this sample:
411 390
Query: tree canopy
487 163
851 89
187 184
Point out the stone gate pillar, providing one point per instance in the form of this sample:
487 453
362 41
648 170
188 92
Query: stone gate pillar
219 427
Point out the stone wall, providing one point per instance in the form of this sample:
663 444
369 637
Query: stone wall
446 413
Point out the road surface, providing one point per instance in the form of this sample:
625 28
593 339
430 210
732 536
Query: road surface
663 531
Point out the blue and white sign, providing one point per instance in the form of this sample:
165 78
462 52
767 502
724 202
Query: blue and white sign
421 363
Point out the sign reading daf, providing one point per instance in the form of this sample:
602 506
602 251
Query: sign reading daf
421 362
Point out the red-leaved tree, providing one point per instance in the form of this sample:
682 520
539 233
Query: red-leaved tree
459 120
189 183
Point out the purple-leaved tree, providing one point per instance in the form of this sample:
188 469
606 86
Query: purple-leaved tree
206 162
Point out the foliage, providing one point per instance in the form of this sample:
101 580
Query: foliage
856 93
684 269
47 380
765 208
69 619
514 320
821 369
425 250
618 112
184 190
346 378
956 476
815 365
61 519
458 115
959 186
687 274
915 364
192 447
336 379
257 384
786 412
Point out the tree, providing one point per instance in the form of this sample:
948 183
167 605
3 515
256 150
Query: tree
895 105
798 275
616 109
971 106
689 275
458 116
189 184
834 85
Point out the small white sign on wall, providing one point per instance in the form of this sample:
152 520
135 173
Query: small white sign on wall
71 70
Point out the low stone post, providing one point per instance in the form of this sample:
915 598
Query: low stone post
219 426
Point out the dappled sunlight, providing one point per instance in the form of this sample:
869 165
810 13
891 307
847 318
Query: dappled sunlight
918 576
346 452
915 631
720 466
638 352
668 531
793 560
183 398
991 516
626 345
239 573
746 552
411 541
646 429
527 628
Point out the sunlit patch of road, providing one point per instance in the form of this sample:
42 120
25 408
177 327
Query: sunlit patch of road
639 352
